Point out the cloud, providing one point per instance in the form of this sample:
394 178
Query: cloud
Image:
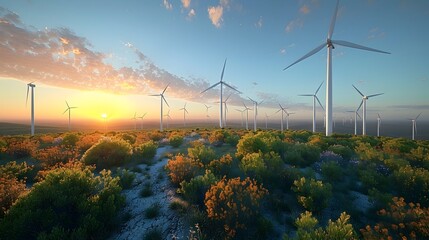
376 33
186 3
191 14
292 25
59 57
259 23
167 5
282 51
304 9
215 15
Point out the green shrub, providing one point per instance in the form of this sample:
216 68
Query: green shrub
176 141
70 139
311 194
19 171
10 189
222 166
70 203
367 152
344 151
331 171
108 153
146 151
131 139
202 153
302 154
153 234
232 139
413 184
194 190
152 211
146 191
126 178
262 167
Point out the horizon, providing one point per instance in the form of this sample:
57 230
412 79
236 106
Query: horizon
113 70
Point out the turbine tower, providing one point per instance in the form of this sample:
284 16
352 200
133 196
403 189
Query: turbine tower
329 44
141 117
69 110
356 116
161 95
247 115
255 112
287 119
378 124
135 120
266 120
221 82
283 110
241 111
207 112
32 86
414 126
364 98
185 111
225 109
314 104
168 118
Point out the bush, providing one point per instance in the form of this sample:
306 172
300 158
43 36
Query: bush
69 203
413 184
222 166
217 138
344 151
10 189
302 154
51 156
331 172
153 234
21 148
152 211
194 190
263 167
234 202
156 136
311 194
146 151
146 191
126 178
202 153
254 143
129 138
176 141
13 169
181 168
70 139
108 153
232 139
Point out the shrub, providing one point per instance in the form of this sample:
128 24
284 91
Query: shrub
331 172
131 139
344 151
146 151
263 167
20 148
88 141
126 178
217 138
54 155
108 153
181 168
152 211
69 203
413 184
232 139
222 166
156 136
10 189
311 194
234 202
367 152
70 139
302 154
202 153
153 234
13 169
146 191
194 190
176 141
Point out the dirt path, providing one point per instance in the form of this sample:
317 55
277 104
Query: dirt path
167 221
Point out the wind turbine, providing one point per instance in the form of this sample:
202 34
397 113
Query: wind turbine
68 109
221 82
32 86
287 119
378 124
135 120
255 112
168 118
414 122
329 44
162 99
283 110
314 104
266 120
364 98
356 116
225 109
141 117
247 115
185 111
241 111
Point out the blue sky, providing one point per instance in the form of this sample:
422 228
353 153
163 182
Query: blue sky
134 48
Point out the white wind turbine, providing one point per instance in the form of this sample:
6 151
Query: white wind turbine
378 124
314 104
364 98
247 115
207 112
356 116
141 117
255 112
329 44
162 99
69 110
32 86
414 122
266 120
225 109
283 110
221 82
287 118
135 120
185 111
168 118
242 112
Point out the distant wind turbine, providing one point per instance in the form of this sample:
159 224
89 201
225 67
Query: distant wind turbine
141 117
414 122
32 86
135 120
255 111
247 115
162 99
185 111
168 118
69 110
356 116
329 44
283 110
242 112
221 82
314 104
287 118
364 98
378 124
266 120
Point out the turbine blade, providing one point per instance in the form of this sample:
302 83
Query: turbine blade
374 95
358 91
378 115
312 52
359 106
278 111
418 116
318 88
228 97
223 70
334 18
261 102
357 46
163 98
155 95
306 95
66 110
251 99
233 88
26 100
165 88
319 102
67 104
214 85
358 115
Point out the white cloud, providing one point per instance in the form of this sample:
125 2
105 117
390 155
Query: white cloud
186 3
282 51
191 13
292 25
259 23
167 5
215 15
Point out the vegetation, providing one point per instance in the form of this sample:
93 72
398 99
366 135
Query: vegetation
108 153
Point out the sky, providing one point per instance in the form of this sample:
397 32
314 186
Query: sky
109 56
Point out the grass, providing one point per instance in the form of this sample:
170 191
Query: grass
152 211
146 191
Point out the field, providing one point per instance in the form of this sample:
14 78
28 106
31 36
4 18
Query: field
212 184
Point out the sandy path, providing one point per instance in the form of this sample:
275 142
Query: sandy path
168 221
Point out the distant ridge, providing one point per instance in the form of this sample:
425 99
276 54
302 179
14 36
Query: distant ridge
18 129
